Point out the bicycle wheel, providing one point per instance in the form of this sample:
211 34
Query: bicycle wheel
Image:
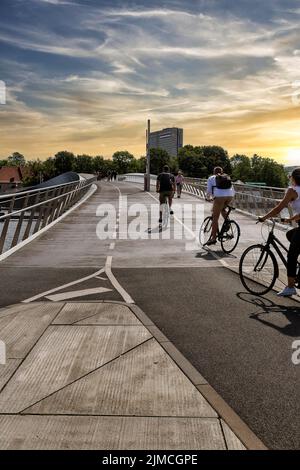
258 269
205 230
230 237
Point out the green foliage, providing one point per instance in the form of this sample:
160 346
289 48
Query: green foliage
16 159
122 161
83 164
158 158
64 161
258 169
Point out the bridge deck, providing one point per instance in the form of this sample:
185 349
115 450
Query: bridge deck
241 345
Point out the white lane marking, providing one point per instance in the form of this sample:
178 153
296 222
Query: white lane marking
115 283
112 246
102 278
226 265
43 294
77 293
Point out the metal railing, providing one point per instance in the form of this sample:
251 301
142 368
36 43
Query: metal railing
253 200
25 213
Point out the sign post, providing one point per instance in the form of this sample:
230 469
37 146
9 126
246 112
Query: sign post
147 175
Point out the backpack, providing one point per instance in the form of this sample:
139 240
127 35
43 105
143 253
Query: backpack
223 181
166 181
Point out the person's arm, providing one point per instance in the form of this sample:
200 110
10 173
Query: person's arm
209 192
290 195
295 218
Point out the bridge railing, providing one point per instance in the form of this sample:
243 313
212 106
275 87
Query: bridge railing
25 213
253 200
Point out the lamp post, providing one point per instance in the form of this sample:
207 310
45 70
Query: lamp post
147 175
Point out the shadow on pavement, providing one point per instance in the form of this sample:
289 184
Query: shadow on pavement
267 307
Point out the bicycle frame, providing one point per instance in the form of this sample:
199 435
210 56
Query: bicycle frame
274 242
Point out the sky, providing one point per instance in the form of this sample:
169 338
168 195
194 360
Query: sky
85 75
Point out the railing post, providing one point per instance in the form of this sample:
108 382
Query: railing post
6 225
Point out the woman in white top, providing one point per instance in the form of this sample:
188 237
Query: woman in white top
291 197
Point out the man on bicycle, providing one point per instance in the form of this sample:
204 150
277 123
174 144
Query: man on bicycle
292 198
165 186
219 187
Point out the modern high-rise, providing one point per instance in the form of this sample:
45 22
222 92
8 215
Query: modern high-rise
170 139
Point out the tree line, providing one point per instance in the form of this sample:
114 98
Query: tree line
193 161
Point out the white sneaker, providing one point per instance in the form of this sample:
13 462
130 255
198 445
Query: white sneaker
287 292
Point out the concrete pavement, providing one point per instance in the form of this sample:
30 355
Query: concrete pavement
93 376
69 267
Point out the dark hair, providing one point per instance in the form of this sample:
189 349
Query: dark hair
296 176
166 168
218 170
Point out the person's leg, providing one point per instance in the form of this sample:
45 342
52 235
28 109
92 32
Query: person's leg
161 201
217 208
225 210
170 199
293 253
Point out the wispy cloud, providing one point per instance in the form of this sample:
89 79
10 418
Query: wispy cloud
86 69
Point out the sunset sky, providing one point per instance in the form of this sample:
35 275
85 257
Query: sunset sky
85 75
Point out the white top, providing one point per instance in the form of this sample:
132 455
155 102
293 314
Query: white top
296 204
212 190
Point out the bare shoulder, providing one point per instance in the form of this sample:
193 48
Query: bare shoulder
291 194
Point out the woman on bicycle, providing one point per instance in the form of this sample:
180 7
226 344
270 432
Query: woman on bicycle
291 197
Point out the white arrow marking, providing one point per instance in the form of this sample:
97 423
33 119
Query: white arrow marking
77 293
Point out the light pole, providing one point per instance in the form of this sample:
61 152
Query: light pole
147 175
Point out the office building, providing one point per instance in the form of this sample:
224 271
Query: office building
170 139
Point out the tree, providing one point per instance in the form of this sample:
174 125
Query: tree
3 163
64 161
84 164
158 158
16 159
216 156
258 169
241 168
98 164
122 160
49 169
192 162
33 173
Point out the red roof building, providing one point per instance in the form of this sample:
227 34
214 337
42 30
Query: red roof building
10 177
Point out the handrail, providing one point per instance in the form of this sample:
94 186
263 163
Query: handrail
43 206
252 200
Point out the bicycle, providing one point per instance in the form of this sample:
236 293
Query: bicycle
229 234
258 268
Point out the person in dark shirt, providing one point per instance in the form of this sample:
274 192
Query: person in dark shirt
165 186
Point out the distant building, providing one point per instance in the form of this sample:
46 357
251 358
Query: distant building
11 177
170 139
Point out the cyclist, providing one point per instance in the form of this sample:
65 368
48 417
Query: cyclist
165 186
220 189
179 182
292 197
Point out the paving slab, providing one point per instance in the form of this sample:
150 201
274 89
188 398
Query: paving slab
143 382
64 354
114 433
23 324
96 314
232 442
7 370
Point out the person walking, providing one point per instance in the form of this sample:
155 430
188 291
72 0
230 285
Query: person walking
179 183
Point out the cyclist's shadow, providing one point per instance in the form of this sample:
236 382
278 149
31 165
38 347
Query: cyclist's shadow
267 307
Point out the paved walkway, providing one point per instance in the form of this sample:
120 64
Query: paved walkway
87 369
98 376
